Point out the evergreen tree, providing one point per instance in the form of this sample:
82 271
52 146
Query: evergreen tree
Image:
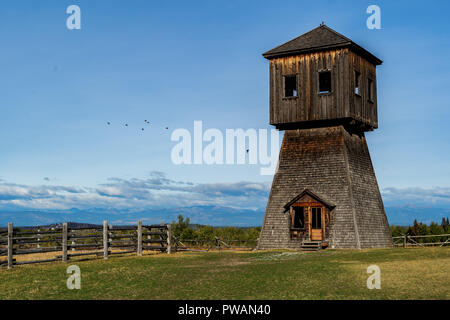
415 228
444 224
435 229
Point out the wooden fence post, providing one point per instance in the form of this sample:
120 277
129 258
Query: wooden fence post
39 239
10 245
169 239
139 238
404 241
64 242
105 239
218 245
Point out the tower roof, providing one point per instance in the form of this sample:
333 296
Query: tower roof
319 39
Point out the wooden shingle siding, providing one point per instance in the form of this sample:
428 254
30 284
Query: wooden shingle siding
324 151
334 164
362 109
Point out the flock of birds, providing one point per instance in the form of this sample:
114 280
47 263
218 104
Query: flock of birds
147 122
142 129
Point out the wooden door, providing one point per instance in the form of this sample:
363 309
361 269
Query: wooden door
316 223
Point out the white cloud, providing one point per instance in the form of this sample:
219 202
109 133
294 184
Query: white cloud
436 197
156 191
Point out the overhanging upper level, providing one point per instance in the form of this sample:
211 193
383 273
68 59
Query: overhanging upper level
322 78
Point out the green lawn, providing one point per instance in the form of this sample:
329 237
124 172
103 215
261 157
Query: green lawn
328 274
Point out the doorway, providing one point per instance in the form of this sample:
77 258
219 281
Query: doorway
316 223
309 217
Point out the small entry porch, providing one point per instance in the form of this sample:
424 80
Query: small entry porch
308 217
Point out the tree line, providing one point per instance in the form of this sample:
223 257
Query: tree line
422 229
182 229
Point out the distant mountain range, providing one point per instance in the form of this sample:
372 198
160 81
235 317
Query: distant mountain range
405 216
208 215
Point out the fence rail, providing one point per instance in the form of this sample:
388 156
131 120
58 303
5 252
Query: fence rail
81 241
410 241
216 243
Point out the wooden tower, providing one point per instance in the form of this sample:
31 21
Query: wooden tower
324 193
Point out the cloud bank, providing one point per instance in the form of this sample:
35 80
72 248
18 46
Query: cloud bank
417 197
154 191
162 197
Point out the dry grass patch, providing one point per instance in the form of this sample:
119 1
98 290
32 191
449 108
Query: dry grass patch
275 274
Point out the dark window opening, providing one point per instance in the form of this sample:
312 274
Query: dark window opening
299 217
370 90
325 82
316 218
290 86
357 76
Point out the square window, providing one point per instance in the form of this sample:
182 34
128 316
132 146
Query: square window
299 217
357 78
325 82
290 86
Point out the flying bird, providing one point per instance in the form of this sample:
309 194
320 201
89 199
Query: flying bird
109 123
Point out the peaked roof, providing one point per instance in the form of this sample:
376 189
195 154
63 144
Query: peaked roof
319 39
312 195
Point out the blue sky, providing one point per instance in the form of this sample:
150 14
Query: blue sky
175 62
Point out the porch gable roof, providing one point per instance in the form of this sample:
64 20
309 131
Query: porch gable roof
312 195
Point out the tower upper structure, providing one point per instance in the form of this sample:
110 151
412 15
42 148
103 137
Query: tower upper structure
320 79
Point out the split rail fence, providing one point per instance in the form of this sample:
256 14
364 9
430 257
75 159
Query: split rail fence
216 243
81 241
422 241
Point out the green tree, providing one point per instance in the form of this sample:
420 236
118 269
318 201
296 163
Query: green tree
206 233
418 229
444 224
188 234
435 229
398 231
180 226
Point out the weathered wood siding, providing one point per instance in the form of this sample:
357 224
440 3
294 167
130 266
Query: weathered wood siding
310 105
361 108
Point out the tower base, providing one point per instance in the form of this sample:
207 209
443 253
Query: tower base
327 168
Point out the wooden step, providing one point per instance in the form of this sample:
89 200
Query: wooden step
311 245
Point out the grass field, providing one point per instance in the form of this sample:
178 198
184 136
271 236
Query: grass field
329 274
